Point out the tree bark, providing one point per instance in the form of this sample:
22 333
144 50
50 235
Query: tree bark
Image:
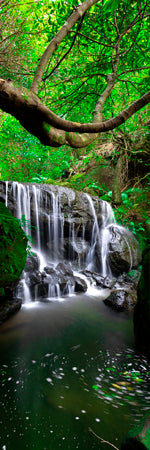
48 127
116 188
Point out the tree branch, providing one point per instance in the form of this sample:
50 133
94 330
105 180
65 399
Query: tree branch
91 39
48 127
133 70
75 16
67 53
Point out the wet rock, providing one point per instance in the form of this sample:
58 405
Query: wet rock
121 300
109 282
8 307
94 276
32 263
101 281
41 290
123 250
50 270
64 269
80 285
123 296
33 278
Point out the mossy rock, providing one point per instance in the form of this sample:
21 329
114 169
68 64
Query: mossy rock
13 243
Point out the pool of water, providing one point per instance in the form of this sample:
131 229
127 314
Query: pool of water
69 369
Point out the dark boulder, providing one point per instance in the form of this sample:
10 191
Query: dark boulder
142 307
123 250
123 292
80 285
34 278
32 263
8 307
121 300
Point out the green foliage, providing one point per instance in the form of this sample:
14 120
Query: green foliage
74 86
72 89
24 158
13 242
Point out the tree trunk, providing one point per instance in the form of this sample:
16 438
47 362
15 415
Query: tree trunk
116 189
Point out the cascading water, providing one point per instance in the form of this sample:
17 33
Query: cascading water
101 235
60 232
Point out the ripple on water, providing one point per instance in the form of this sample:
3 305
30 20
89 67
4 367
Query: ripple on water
46 396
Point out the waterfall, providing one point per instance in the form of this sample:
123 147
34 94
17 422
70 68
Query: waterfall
101 235
64 228
6 200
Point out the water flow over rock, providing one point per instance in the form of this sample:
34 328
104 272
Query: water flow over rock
68 228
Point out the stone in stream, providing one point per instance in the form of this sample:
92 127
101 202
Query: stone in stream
121 299
123 294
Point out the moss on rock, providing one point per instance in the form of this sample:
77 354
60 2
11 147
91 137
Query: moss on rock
13 243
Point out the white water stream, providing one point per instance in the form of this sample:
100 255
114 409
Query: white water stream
101 235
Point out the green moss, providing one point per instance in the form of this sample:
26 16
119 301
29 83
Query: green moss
60 139
13 243
46 127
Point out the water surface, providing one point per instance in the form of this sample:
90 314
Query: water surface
67 367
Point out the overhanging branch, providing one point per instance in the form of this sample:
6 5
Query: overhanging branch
48 127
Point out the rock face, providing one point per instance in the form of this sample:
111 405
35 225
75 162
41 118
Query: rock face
8 307
142 307
13 243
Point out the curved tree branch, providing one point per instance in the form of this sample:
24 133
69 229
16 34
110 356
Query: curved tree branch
48 127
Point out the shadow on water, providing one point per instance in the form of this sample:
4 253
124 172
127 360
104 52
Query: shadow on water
67 366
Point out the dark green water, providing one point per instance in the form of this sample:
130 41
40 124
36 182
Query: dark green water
66 367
